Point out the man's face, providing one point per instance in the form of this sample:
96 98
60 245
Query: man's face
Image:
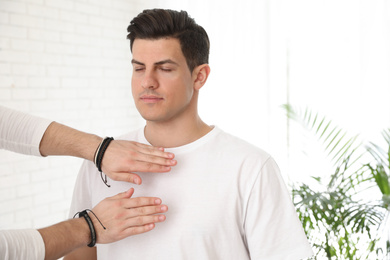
162 84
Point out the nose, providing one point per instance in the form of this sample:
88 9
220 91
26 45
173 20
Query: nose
149 81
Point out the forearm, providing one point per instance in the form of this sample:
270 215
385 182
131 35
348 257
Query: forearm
121 159
64 237
63 140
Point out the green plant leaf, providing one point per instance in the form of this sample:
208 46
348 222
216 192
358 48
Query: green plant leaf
337 144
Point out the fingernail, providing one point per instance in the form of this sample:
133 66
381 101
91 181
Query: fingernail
136 181
150 226
161 218
157 201
164 208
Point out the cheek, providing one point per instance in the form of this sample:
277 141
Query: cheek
182 95
133 92
133 81
188 91
135 86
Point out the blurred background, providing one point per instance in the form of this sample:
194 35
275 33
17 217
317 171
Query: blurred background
70 61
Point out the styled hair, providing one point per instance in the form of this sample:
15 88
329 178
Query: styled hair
156 24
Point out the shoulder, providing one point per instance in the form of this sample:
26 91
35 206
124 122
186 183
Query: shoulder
239 147
248 161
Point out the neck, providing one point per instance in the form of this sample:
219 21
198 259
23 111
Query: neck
175 134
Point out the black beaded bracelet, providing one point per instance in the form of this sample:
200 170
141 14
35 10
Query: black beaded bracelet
84 214
99 156
91 227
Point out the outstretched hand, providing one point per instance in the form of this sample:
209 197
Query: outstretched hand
123 158
123 216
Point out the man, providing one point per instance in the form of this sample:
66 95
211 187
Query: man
227 198
122 216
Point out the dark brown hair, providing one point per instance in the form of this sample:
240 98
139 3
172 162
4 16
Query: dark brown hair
165 23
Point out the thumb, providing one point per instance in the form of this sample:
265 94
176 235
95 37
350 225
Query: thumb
124 195
129 193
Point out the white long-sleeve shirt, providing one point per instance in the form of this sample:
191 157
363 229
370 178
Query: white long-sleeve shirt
21 133
21 244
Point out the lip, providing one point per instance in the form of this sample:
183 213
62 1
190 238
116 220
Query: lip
150 98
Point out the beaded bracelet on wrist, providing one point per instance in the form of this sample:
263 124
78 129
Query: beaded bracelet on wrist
92 230
98 158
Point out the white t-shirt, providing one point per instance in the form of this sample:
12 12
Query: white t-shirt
226 200
21 133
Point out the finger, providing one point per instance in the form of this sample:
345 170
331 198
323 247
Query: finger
127 176
141 202
145 148
130 193
144 220
131 231
148 158
145 211
123 195
155 151
144 166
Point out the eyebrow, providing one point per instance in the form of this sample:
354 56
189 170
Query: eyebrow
133 61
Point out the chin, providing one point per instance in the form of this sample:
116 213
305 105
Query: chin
151 118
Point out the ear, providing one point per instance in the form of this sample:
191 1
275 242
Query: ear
200 75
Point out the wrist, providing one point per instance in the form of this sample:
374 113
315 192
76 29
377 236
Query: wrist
84 214
91 224
92 143
64 237
83 231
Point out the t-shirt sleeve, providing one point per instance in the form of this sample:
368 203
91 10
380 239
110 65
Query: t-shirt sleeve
272 227
20 132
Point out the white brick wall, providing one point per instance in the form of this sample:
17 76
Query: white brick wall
68 61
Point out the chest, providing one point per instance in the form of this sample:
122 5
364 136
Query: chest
206 202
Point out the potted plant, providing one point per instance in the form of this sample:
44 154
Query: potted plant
339 219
